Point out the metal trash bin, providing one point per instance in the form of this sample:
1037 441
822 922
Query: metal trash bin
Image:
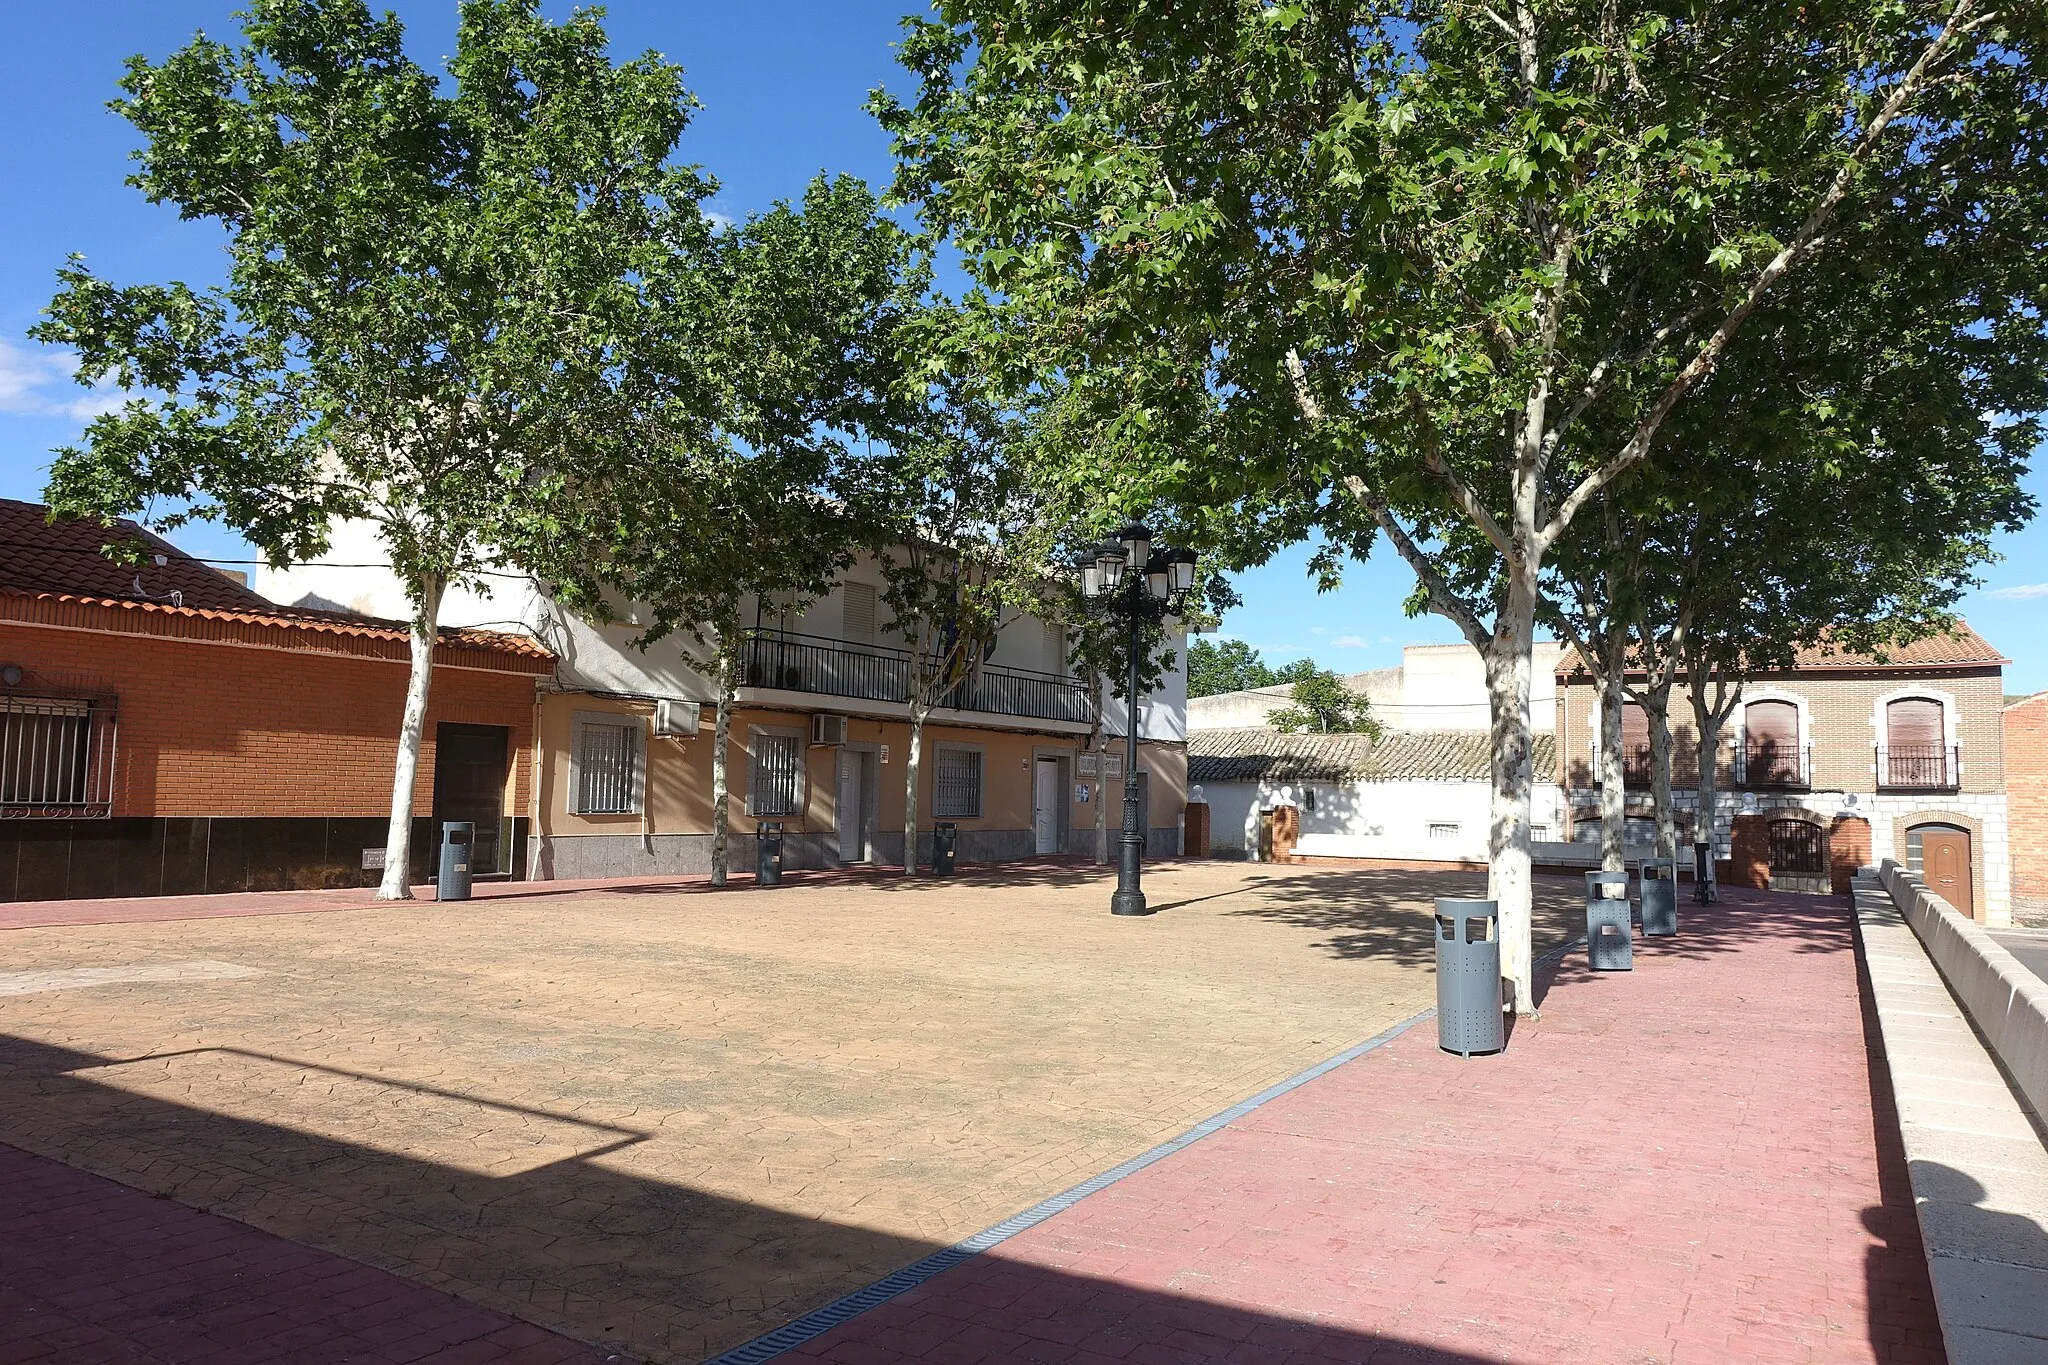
1660 896
1468 1000
1703 874
945 843
457 837
1610 933
768 853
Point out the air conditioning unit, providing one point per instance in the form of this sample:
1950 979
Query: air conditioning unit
676 719
828 729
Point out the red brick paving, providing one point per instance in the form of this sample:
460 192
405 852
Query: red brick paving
93 1273
1683 1164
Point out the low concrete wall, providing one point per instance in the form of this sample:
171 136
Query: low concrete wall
2008 1003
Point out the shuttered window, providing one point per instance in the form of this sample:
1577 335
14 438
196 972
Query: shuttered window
775 779
607 776
859 607
1770 737
1916 752
1635 745
956 783
56 755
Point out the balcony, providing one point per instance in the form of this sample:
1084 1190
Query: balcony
1767 766
838 668
1919 767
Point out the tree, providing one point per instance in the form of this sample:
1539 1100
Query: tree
1325 703
774 352
431 297
1226 666
1368 265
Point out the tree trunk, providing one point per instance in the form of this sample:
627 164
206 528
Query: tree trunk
1657 706
1609 687
915 756
1508 664
426 609
1707 720
721 736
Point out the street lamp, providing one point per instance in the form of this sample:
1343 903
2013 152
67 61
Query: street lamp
1128 579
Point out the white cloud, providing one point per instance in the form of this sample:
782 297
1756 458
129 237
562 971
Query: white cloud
2021 591
36 381
1319 630
1351 642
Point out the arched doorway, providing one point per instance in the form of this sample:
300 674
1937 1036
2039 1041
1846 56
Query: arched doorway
1941 855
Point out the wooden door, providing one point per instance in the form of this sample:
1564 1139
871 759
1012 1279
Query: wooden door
1915 755
1945 866
469 784
847 808
1770 737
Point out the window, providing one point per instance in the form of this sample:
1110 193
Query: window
1635 745
56 755
859 607
607 764
1916 754
1796 848
1770 745
956 783
1443 829
775 776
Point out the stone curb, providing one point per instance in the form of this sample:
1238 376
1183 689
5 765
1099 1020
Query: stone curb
1978 1167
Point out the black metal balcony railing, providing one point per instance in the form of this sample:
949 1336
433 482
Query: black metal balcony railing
1768 766
838 668
1919 767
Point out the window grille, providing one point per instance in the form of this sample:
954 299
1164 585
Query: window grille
608 766
956 784
56 757
1442 829
774 783
1796 848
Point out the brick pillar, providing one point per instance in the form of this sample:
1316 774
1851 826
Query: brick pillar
1848 849
1749 862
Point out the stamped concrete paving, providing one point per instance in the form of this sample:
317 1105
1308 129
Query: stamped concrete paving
670 1122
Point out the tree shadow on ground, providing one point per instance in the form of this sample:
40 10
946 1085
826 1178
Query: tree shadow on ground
645 1269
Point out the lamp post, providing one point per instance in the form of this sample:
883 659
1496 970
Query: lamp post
1131 580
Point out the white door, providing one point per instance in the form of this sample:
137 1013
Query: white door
852 846
1045 806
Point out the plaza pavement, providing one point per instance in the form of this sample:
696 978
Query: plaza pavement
662 1125
662 1121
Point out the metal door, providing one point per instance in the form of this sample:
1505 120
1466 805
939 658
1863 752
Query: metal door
1945 866
852 806
469 784
1045 806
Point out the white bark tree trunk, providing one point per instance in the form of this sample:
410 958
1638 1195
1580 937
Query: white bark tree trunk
915 757
1607 685
1657 706
1707 720
1508 666
721 740
397 883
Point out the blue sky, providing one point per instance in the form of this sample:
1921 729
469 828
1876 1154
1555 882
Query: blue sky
782 82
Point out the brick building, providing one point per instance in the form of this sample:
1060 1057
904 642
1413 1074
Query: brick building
1842 759
165 730
2026 781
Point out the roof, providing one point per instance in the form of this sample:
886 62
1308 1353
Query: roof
59 565
1254 754
1959 648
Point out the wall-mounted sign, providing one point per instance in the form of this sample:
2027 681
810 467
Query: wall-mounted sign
1112 765
373 860
1081 793
885 753
1084 766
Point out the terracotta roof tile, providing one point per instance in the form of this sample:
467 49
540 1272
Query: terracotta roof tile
1960 648
1253 754
62 561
